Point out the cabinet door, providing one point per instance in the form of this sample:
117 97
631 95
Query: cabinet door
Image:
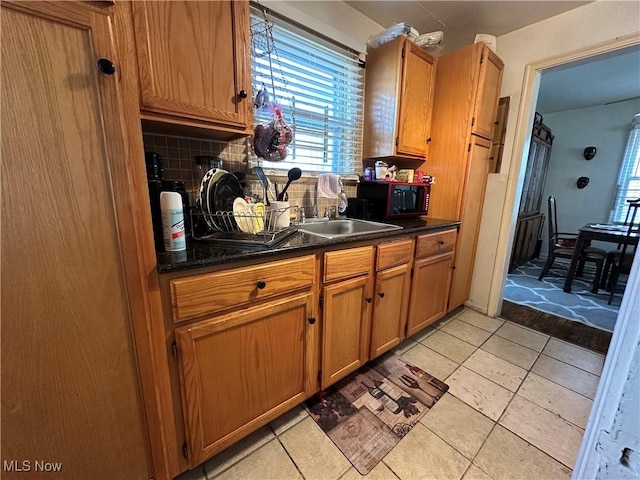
390 308
472 202
486 107
429 291
241 370
70 386
193 59
416 101
347 313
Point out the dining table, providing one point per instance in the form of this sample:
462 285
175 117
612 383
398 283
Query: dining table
611 233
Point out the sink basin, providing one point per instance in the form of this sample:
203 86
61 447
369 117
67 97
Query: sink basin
345 228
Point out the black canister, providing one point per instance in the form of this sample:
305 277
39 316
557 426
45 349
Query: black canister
155 168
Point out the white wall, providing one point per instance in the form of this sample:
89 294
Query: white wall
579 29
607 129
614 421
334 19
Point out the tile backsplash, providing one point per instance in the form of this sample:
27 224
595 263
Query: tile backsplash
178 154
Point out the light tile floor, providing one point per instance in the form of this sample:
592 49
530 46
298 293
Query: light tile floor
517 407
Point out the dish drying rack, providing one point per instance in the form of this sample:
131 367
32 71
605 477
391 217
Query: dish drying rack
222 228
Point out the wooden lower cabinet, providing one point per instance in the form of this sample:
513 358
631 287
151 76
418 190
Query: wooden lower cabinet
242 369
347 312
390 308
241 366
391 294
471 214
431 279
429 291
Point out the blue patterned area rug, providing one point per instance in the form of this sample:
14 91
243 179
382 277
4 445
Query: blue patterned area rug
580 305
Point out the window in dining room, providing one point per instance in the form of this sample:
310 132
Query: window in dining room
629 177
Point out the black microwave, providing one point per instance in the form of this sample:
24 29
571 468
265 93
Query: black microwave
386 200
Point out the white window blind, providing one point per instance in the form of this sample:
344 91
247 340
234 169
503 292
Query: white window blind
629 178
320 87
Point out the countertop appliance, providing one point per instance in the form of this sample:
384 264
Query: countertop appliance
389 199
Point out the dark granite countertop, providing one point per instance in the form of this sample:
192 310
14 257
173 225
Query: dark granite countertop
201 254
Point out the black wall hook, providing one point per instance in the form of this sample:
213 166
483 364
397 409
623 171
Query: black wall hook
589 153
582 182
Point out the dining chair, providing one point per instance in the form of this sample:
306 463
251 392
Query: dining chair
612 254
562 245
621 264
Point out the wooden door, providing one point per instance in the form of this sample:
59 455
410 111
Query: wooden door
429 291
193 59
472 203
538 177
486 106
70 387
347 312
416 101
392 291
241 370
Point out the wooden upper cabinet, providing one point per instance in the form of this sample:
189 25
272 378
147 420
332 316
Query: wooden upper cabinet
193 61
486 107
466 98
398 98
415 101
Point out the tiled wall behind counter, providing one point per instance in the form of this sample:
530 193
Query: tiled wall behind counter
178 154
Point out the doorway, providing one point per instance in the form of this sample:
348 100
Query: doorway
524 124
577 106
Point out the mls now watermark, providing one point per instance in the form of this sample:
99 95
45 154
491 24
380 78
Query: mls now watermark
31 466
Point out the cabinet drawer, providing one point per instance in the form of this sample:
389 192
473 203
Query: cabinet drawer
394 253
347 263
202 294
434 243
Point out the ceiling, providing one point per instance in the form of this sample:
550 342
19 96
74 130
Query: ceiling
599 80
462 20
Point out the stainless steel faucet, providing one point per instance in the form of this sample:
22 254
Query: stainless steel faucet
315 201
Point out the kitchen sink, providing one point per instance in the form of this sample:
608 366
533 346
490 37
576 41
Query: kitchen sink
345 228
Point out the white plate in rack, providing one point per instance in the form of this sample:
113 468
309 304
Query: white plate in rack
242 213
